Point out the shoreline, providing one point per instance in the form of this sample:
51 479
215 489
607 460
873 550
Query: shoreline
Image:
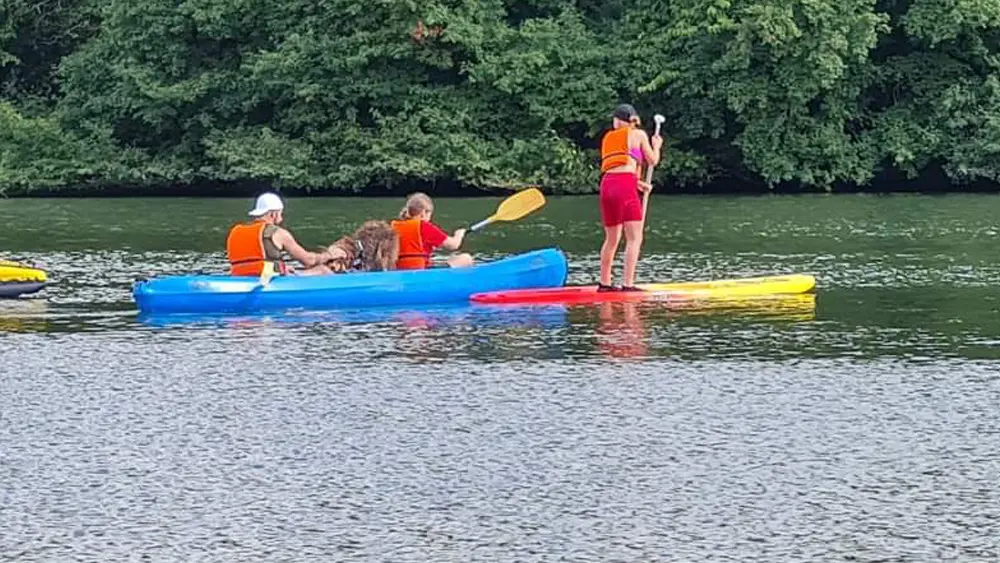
246 190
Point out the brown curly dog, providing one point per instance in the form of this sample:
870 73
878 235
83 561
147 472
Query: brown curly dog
374 247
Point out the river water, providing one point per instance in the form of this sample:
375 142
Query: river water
862 426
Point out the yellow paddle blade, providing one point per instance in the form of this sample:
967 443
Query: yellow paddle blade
519 205
514 207
267 273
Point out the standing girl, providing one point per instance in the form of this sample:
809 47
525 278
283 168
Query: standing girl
624 150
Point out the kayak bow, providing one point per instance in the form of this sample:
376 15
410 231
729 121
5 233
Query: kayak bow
19 279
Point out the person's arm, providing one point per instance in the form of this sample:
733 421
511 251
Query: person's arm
454 242
650 149
285 241
437 238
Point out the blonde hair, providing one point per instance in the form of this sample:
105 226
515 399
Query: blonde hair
416 204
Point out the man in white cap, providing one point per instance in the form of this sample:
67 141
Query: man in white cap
250 245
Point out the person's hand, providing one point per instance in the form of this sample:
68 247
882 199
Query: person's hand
325 256
335 253
645 187
459 234
656 142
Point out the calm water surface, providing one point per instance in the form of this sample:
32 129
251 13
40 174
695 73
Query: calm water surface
862 426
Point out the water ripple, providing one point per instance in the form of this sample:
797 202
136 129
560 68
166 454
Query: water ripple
238 459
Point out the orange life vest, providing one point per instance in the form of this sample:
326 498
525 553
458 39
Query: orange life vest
245 250
614 149
412 254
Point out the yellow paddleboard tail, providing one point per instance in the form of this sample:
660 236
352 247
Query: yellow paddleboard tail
768 285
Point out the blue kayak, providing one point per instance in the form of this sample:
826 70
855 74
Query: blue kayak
230 294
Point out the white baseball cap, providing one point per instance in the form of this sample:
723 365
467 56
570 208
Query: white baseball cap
265 203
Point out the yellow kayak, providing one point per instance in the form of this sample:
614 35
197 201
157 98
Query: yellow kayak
18 279
768 285
17 272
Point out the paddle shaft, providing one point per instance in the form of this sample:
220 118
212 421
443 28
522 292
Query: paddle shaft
649 179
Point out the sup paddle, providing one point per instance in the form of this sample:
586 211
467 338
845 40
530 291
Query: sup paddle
659 119
514 207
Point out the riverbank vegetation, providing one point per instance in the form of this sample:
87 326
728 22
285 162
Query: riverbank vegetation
493 94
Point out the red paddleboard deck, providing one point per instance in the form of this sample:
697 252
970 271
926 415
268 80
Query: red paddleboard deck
569 295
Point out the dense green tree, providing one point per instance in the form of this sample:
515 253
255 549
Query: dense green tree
336 94
938 96
770 87
34 37
35 152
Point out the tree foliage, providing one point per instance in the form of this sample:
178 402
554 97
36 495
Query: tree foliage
337 94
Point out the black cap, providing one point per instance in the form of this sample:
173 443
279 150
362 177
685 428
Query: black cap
625 112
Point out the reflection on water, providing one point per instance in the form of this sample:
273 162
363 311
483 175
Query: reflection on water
621 332
493 332
419 318
501 332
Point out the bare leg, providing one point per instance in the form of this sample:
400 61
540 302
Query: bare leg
461 261
612 236
633 244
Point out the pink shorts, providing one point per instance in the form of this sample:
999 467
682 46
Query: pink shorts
620 199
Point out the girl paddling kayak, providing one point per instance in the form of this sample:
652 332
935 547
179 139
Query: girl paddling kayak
419 237
624 150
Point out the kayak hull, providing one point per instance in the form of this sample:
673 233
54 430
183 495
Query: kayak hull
211 294
675 292
18 279
10 290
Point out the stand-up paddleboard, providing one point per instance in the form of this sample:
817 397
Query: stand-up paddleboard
718 289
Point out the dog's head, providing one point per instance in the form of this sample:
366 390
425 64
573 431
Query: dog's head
349 248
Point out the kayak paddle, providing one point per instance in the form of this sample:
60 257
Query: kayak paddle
514 207
266 273
659 119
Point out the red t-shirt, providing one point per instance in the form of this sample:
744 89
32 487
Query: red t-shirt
432 236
